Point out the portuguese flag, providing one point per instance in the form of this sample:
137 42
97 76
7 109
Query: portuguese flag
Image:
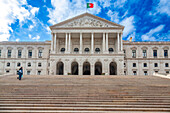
90 5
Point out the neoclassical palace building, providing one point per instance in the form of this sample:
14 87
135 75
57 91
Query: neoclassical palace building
85 45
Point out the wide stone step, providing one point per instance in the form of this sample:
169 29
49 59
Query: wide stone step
71 111
84 105
103 103
105 98
84 100
86 109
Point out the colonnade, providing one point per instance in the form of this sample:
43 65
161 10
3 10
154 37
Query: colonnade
68 42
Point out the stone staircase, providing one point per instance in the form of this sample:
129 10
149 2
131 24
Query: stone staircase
84 94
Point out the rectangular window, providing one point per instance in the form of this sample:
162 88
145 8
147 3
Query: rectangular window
125 72
155 53
28 72
167 72
29 53
19 53
145 73
165 53
134 72
145 65
39 73
144 54
166 65
0 53
134 64
40 53
133 53
9 53
156 64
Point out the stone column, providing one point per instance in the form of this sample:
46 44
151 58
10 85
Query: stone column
107 42
121 46
118 42
69 42
104 42
92 42
80 43
52 38
66 43
80 69
55 37
92 69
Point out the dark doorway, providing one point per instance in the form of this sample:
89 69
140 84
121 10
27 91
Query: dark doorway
86 68
60 68
113 68
74 68
98 68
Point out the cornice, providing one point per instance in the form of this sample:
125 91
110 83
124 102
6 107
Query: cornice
146 43
146 58
24 43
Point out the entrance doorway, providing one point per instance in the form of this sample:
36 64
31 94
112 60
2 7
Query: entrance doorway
98 68
113 68
86 68
74 68
60 68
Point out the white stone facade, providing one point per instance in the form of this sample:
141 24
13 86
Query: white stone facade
85 45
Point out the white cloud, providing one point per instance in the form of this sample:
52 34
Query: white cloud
36 38
105 3
64 9
30 36
149 36
114 16
17 39
164 7
119 3
129 25
34 10
30 27
10 11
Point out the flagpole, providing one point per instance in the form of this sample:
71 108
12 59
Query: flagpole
86 7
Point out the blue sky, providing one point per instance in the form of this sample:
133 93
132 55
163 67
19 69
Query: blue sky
29 20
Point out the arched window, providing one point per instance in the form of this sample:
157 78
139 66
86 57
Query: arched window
18 64
29 64
62 50
8 64
76 50
39 64
97 50
86 50
111 50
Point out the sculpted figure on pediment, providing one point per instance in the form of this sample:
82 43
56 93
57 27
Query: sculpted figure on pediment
86 22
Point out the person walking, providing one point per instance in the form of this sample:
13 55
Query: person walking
20 73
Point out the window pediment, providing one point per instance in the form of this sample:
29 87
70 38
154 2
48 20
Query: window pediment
166 48
144 48
20 48
155 48
40 48
9 48
30 48
133 48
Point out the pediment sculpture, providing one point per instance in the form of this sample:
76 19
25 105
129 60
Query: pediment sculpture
87 22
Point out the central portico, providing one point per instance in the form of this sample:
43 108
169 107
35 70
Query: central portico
86 45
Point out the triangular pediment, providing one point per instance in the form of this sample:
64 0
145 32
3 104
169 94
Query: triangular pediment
86 20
